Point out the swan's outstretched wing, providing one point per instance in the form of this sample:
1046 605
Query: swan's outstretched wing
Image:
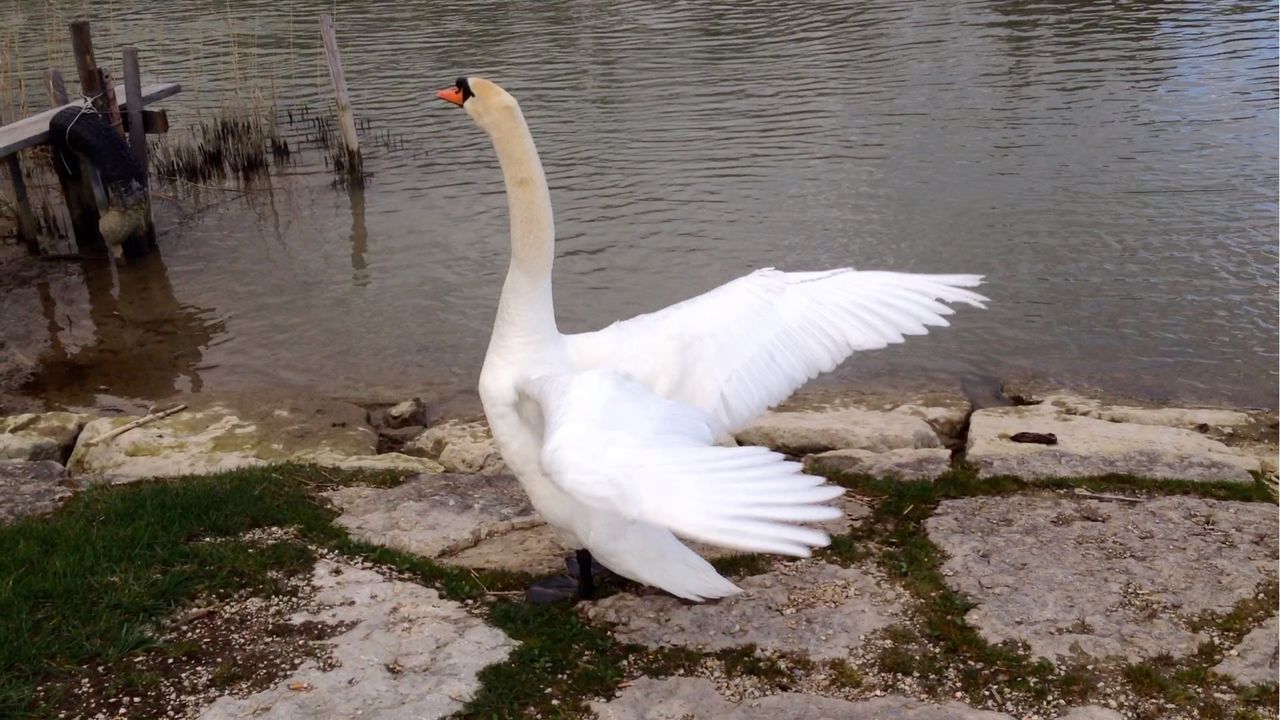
745 346
612 443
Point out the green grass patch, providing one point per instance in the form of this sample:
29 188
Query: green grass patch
742 565
561 662
89 583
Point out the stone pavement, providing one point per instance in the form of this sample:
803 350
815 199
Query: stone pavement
1095 582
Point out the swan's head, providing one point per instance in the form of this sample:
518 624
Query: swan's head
488 105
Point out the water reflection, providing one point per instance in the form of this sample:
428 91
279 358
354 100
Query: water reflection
145 344
359 237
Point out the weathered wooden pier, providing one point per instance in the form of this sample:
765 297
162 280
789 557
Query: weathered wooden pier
130 119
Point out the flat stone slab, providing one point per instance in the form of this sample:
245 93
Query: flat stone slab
822 420
681 698
31 488
407 654
1088 446
435 515
220 434
814 608
904 464
1256 660
40 436
536 550
1073 576
804 432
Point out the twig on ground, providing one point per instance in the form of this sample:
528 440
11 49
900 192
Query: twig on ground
1100 496
135 424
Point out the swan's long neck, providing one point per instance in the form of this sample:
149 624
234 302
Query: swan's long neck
525 311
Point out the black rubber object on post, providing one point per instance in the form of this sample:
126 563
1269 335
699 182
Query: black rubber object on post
82 133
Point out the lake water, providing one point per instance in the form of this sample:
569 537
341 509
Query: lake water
1111 167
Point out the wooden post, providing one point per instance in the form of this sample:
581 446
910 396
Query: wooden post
28 231
133 100
346 120
138 136
95 83
82 204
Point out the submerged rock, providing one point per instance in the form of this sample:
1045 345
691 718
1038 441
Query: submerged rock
406 653
678 698
31 488
406 413
1087 445
1072 576
40 436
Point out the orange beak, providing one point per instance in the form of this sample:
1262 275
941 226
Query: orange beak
451 94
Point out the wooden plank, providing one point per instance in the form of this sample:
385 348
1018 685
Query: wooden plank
34 130
57 88
28 231
346 118
154 122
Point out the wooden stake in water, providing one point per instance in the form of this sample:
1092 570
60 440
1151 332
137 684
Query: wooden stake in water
346 119
95 83
138 135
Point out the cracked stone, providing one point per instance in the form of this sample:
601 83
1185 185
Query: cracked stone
461 447
1072 576
816 431
1256 660
903 464
217 434
40 436
821 610
30 488
1092 446
679 698
407 654
536 550
435 515
837 419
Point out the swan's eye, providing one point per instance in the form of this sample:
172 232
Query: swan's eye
465 88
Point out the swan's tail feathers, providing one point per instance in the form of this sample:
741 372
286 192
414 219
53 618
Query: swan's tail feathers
614 445
652 555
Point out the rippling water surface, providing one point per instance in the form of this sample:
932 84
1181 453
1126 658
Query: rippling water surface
1111 167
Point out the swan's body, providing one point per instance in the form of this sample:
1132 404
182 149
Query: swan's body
613 434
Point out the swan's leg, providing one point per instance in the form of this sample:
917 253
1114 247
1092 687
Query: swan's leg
573 561
578 585
586 585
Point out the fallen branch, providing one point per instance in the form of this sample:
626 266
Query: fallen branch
135 424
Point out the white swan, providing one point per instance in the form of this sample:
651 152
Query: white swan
613 434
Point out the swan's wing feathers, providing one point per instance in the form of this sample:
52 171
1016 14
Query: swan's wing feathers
612 443
745 346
